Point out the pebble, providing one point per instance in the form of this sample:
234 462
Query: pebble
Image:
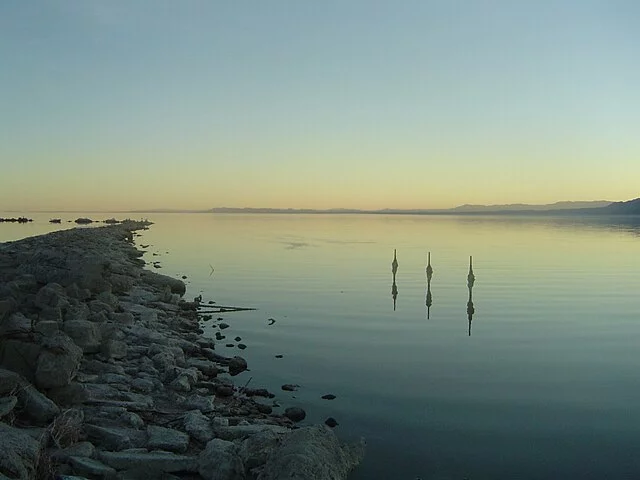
242 346
290 387
328 396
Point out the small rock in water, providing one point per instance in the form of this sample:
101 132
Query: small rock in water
262 408
295 413
211 302
223 326
238 339
331 422
220 318
290 387
230 345
272 321
279 356
242 346
157 265
328 396
184 277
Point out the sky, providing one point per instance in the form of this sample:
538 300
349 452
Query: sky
194 104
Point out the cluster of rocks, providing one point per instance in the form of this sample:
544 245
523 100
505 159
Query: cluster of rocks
16 220
105 375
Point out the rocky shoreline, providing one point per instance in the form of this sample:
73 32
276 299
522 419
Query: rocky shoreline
105 374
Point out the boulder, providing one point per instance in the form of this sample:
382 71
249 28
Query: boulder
198 426
21 357
19 452
160 281
31 402
153 461
220 460
161 438
58 361
237 365
312 452
84 334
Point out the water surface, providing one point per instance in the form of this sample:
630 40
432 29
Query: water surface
542 384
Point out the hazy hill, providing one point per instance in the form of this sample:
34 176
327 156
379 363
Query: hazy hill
530 208
631 207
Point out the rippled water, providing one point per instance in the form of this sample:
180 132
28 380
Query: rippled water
546 386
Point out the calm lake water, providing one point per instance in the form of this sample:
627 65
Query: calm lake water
546 386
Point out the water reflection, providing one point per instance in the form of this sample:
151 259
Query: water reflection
394 287
429 299
471 279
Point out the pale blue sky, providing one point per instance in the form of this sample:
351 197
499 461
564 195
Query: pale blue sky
367 104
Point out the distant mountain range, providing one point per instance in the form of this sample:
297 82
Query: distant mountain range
598 207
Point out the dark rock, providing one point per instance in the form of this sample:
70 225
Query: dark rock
19 452
220 460
242 346
153 461
198 426
290 387
295 414
237 339
265 409
224 391
328 396
279 356
223 325
331 422
237 365
7 404
58 362
168 439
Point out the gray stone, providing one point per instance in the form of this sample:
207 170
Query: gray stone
122 318
50 314
58 361
89 466
237 365
296 414
19 451
198 426
33 403
237 432
142 385
51 295
220 461
7 404
312 452
256 448
108 298
160 281
14 324
20 357
207 367
161 438
47 328
77 311
109 438
154 461
85 334
132 420
198 402
80 449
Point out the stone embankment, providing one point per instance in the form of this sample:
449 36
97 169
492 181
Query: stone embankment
105 374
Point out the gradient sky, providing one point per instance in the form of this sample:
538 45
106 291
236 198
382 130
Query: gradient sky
133 104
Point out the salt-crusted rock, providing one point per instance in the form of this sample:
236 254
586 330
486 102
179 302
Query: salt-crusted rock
58 361
20 356
18 453
161 438
84 334
153 461
51 295
91 467
160 281
312 452
237 365
198 426
256 448
220 460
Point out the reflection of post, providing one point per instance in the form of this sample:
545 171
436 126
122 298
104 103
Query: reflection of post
394 287
471 279
394 292
429 299
470 308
